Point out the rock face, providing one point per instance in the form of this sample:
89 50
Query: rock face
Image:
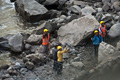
115 30
31 10
106 51
87 10
16 43
34 39
77 30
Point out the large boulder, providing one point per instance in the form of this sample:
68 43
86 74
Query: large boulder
4 42
16 42
34 39
106 51
77 30
47 25
35 58
87 10
31 10
116 6
115 30
106 7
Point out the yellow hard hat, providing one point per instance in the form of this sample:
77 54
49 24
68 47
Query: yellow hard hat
59 47
101 22
96 31
45 30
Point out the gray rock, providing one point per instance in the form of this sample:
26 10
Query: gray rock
100 10
106 51
118 45
60 20
23 70
81 27
78 65
27 46
75 9
50 2
34 39
35 58
77 59
62 2
16 42
116 6
106 1
29 65
34 48
115 30
62 17
47 25
30 10
112 1
106 7
87 10
107 18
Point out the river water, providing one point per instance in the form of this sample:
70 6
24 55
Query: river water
9 21
9 24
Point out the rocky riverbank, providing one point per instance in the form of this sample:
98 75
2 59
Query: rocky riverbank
71 24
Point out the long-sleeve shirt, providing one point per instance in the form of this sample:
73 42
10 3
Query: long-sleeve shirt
55 54
97 39
60 55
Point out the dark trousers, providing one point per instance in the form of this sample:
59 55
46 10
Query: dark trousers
96 50
59 67
45 49
55 65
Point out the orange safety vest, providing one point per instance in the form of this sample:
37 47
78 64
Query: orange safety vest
45 41
102 31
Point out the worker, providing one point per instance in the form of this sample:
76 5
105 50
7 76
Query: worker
60 58
45 41
102 30
96 41
55 56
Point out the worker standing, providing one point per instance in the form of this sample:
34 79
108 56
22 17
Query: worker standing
55 56
45 41
60 59
102 30
96 41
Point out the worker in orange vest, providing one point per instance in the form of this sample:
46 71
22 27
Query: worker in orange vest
102 30
45 41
